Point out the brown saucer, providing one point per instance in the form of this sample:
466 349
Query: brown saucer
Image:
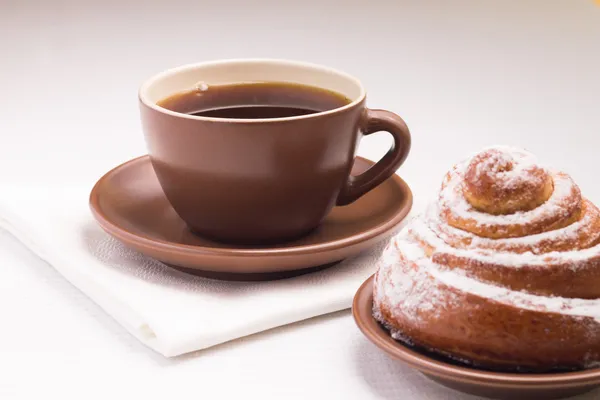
129 204
496 385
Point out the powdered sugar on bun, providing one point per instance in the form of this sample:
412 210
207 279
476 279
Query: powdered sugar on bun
561 209
482 250
504 180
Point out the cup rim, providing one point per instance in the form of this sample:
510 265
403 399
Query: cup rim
143 98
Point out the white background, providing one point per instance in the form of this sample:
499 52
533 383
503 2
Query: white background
463 74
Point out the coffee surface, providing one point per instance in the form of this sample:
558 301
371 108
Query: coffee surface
254 100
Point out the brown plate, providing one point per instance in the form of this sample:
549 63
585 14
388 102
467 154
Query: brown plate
490 384
129 204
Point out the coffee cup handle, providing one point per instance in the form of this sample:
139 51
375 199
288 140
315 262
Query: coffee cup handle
377 121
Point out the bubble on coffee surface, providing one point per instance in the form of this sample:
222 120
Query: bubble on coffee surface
201 87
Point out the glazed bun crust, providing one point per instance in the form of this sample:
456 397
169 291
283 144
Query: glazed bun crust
501 271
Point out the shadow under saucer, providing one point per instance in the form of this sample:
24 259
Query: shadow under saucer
253 277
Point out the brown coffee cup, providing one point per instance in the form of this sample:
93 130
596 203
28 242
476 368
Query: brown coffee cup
263 180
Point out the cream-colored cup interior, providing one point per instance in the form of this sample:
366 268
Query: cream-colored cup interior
194 76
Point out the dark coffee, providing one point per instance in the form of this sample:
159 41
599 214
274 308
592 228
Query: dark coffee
254 100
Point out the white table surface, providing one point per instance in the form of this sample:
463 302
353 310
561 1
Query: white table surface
464 74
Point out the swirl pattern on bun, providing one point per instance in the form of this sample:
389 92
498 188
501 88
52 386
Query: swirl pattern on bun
501 271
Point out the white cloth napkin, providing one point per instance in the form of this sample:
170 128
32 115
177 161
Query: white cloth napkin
170 311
